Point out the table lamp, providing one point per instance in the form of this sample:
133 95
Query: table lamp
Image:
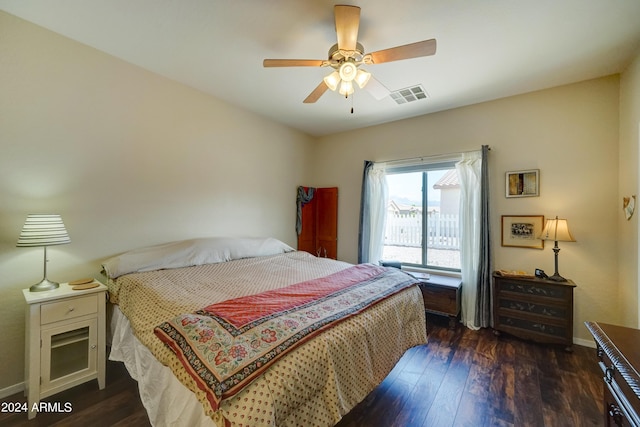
43 230
558 231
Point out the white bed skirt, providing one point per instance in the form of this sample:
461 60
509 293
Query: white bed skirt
167 401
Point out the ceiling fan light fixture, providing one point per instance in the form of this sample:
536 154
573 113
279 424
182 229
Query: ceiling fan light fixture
362 77
346 88
347 71
332 80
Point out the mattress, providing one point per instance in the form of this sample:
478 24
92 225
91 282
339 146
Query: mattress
313 385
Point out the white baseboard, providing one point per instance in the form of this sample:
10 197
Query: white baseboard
11 390
586 343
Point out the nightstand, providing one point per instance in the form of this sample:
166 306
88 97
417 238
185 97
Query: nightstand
65 341
441 295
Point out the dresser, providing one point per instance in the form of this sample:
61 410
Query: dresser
618 355
535 309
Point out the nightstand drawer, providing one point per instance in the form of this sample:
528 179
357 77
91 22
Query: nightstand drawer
68 309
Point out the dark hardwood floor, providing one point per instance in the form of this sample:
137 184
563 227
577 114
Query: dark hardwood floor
460 378
473 378
118 404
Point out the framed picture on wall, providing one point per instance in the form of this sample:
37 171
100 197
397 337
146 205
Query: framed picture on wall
525 183
522 231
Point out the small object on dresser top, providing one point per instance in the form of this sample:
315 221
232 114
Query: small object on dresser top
515 273
81 281
85 285
419 276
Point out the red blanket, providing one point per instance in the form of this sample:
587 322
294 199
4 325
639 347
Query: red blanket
226 345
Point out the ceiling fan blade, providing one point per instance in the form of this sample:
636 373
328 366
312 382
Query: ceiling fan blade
408 51
376 89
347 23
316 94
293 63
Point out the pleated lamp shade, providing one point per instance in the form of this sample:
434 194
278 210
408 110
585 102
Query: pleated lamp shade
43 230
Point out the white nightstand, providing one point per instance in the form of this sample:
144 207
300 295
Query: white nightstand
65 340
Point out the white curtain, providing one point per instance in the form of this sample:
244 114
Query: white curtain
469 174
379 194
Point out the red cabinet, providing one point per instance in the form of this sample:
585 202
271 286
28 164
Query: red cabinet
319 232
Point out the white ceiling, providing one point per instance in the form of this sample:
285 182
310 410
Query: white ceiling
487 49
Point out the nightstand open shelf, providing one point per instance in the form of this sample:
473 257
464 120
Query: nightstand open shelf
65 341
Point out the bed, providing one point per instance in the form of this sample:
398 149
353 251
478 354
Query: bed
302 348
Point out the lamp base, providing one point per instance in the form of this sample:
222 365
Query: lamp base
557 278
44 285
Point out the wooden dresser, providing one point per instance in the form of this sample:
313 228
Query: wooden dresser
536 309
618 351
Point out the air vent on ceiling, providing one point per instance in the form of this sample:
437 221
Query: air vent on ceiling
409 94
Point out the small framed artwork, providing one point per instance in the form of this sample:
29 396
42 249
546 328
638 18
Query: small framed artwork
629 206
522 231
523 183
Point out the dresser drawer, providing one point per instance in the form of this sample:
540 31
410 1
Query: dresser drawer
541 309
533 289
68 309
532 326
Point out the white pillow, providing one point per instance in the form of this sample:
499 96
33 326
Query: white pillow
187 253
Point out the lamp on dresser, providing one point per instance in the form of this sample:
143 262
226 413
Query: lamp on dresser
558 231
43 230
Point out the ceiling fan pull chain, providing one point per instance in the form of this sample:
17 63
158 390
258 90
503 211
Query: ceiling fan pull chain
352 96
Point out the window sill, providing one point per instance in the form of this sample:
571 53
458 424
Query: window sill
455 274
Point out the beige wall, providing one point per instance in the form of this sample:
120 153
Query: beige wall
129 159
570 133
628 185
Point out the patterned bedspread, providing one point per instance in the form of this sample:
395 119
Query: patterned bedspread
226 345
313 385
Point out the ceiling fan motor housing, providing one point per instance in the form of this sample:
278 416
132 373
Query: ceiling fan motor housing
336 54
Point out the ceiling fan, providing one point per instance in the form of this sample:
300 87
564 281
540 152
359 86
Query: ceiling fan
346 57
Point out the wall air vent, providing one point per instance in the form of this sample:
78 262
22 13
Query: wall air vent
409 94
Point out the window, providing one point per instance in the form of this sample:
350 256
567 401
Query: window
422 227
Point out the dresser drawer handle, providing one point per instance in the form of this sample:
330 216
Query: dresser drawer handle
608 374
615 414
71 309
